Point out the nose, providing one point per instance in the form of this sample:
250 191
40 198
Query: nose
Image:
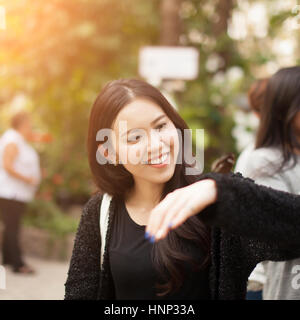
155 146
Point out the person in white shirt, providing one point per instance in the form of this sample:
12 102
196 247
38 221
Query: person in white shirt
20 177
256 96
275 163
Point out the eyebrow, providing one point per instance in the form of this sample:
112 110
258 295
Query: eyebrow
152 123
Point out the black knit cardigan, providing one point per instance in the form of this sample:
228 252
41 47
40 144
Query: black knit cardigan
249 223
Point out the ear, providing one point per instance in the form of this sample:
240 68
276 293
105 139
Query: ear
108 155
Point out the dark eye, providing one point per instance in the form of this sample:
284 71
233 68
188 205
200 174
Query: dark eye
161 126
133 139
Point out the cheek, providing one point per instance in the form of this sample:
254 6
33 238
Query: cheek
131 160
171 139
121 150
131 154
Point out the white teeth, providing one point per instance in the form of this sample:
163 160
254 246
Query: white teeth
158 161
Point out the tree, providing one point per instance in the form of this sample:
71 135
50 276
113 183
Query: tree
60 53
170 22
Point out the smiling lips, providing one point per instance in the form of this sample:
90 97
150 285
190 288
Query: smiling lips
161 159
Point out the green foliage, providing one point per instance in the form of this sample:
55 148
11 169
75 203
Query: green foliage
47 215
60 53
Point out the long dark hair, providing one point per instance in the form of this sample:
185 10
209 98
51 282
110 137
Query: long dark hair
281 104
116 180
256 94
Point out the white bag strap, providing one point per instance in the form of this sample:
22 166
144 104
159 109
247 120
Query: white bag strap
104 214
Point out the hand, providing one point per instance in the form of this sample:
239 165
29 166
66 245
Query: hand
32 181
178 206
46 137
223 164
40 137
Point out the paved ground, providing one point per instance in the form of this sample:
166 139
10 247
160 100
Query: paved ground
46 284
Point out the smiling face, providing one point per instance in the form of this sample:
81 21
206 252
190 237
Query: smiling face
148 135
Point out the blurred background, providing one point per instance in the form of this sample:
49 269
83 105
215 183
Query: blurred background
56 55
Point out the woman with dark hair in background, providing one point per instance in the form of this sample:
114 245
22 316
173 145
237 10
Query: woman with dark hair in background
206 232
256 96
275 162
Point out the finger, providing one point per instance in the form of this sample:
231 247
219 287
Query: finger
164 228
156 219
168 218
157 214
181 217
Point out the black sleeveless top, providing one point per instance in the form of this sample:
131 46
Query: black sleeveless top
133 273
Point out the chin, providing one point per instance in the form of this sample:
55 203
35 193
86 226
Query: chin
160 176
150 174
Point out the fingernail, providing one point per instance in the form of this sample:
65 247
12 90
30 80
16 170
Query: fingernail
152 239
147 235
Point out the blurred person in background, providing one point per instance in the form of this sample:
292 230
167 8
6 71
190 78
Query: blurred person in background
256 95
275 162
20 176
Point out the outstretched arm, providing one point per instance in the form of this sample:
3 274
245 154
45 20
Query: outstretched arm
254 211
237 205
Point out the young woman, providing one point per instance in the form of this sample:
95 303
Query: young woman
275 162
207 231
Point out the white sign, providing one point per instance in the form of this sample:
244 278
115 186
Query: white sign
168 62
